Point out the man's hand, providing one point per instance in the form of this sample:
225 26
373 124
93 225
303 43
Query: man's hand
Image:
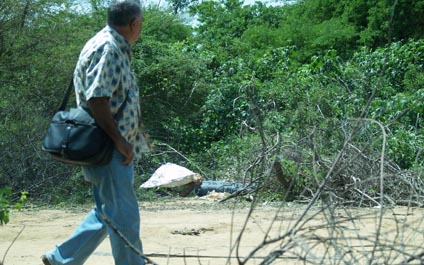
101 112
126 150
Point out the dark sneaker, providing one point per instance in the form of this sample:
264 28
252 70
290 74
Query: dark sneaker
45 260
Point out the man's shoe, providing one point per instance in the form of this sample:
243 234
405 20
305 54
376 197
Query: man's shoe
45 260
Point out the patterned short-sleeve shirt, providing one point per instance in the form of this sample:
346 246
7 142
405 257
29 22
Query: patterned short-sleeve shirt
104 70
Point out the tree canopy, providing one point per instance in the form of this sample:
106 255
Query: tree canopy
221 80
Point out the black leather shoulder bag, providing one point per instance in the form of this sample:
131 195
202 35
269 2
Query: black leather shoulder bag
73 136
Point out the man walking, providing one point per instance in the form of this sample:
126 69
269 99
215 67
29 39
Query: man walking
104 82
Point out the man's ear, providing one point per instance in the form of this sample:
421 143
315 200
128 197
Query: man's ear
133 22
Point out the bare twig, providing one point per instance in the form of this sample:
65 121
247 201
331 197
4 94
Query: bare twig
11 244
127 243
184 157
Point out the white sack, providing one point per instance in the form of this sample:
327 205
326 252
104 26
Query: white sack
171 175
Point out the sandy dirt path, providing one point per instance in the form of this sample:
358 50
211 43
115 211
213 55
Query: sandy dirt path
192 227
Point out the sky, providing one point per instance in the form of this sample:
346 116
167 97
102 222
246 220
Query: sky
163 3
84 5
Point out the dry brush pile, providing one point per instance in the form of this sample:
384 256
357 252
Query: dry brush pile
372 208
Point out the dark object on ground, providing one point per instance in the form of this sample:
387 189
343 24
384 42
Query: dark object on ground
218 186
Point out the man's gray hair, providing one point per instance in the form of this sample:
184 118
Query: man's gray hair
123 12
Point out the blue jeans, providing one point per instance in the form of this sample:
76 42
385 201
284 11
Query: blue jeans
114 193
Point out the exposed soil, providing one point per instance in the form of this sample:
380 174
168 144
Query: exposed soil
205 231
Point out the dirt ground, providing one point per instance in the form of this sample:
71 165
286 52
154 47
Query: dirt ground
205 232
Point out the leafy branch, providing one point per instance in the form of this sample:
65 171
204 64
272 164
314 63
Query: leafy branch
6 205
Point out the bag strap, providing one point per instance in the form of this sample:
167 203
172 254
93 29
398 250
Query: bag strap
65 100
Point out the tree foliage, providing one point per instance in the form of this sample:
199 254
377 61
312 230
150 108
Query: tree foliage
220 88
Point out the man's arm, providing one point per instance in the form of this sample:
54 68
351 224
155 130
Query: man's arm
99 107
